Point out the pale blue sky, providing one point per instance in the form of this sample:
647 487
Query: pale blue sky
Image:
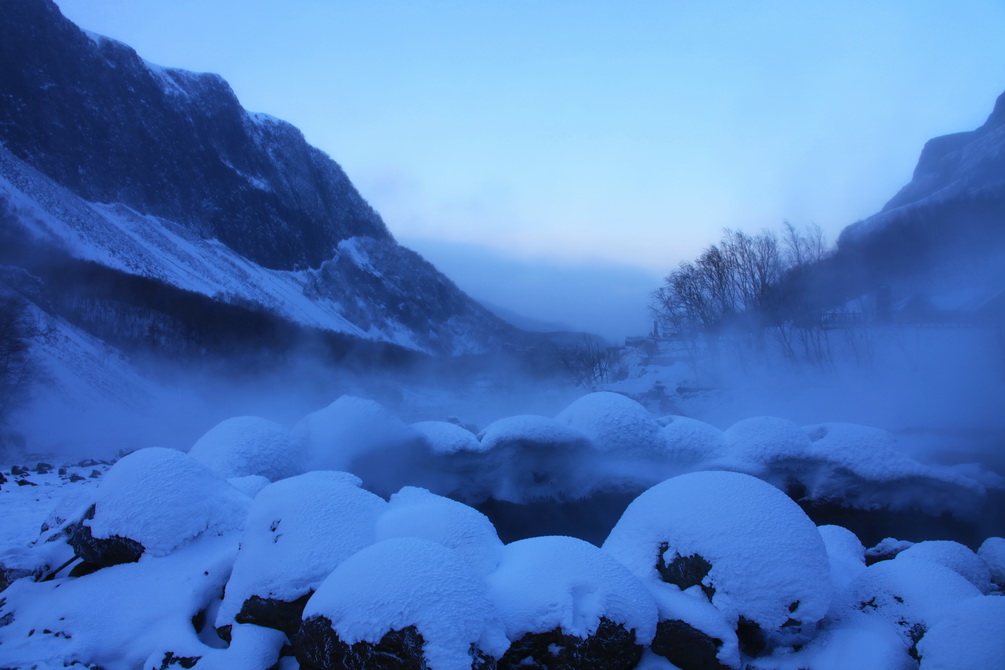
593 136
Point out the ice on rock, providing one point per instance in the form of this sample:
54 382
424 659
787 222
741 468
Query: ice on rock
971 635
845 553
250 445
415 512
953 555
689 441
735 539
406 584
551 582
297 531
349 428
614 422
162 498
913 595
443 437
992 552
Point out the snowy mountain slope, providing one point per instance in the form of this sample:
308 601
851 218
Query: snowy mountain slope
160 173
92 115
957 176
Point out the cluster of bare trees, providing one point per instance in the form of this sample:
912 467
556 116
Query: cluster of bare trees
736 283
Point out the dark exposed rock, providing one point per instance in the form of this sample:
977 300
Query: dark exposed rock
9 575
25 482
61 472
3 480
318 647
610 648
183 661
83 569
43 468
95 474
199 620
17 470
76 478
273 613
101 552
687 647
684 571
751 637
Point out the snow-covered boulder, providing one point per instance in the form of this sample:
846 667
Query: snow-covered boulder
566 603
863 467
529 457
250 445
992 552
864 643
885 550
762 444
349 428
971 635
689 441
444 437
298 530
735 540
613 422
415 512
845 554
408 597
953 555
151 502
912 595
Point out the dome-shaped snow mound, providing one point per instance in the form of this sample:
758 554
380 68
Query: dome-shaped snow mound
563 582
531 457
912 595
443 437
410 595
757 443
249 445
161 498
971 635
689 441
613 422
953 555
742 542
415 512
564 600
298 530
530 431
349 428
845 553
992 552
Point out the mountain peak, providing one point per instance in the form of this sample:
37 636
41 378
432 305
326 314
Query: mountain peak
91 114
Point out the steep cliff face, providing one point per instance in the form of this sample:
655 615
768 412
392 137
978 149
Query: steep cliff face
161 174
959 181
958 164
89 113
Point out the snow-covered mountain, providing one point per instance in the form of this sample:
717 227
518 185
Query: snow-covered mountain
958 183
160 174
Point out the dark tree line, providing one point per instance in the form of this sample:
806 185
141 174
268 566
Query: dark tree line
742 282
